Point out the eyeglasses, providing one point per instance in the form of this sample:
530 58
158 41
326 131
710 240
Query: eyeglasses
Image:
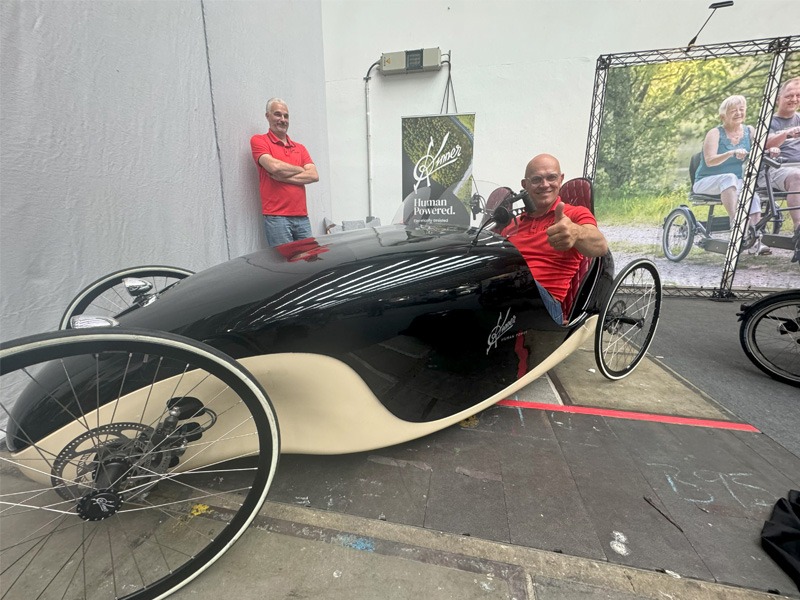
549 178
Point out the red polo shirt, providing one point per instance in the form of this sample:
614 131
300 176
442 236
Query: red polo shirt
277 197
551 268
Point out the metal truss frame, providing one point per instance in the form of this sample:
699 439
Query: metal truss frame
779 48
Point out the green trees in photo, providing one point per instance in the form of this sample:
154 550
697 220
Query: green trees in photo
656 116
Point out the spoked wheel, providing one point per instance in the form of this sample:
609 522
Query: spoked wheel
135 459
627 323
678 234
770 335
109 296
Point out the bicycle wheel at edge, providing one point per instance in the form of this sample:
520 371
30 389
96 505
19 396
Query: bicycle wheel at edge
678 236
117 504
627 323
770 336
107 296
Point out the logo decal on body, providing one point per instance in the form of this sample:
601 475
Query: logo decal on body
503 325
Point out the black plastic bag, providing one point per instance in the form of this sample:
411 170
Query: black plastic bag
780 536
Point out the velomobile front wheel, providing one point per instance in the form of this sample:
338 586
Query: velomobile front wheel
108 296
134 460
628 321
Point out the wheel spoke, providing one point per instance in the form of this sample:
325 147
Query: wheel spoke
678 235
770 336
628 320
122 447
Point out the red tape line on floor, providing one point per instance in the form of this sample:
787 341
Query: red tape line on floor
625 414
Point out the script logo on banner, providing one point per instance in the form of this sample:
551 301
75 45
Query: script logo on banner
428 163
437 168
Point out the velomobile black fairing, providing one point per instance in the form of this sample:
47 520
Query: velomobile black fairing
432 322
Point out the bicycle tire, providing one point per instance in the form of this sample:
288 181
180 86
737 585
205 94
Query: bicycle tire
770 335
126 515
678 235
94 294
628 320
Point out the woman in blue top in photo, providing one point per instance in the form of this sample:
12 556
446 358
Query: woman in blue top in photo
725 150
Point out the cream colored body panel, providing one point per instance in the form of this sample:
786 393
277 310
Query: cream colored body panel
324 407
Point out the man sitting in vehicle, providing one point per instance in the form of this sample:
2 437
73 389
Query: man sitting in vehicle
554 236
784 133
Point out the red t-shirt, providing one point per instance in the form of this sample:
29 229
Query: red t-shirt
551 268
277 197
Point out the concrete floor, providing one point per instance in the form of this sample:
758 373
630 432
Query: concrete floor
569 491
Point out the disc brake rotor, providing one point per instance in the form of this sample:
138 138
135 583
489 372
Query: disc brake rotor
126 446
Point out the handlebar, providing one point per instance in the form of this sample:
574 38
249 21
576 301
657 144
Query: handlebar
775 163
502 213
521 195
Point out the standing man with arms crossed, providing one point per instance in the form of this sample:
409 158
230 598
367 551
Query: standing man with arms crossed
784 133
284 169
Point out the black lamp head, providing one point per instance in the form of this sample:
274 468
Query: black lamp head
714 6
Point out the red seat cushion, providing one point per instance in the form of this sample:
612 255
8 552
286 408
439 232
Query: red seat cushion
574 287
578 192
494 200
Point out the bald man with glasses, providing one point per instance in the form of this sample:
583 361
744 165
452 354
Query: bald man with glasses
784 133
553 237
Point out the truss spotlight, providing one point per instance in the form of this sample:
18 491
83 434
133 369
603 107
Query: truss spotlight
713 6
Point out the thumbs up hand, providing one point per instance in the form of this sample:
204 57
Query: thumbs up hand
563 233
559 210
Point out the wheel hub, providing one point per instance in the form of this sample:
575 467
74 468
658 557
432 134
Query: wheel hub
613 324
98 505
106 457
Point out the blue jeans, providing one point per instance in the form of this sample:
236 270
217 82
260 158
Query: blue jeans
552 305
280 230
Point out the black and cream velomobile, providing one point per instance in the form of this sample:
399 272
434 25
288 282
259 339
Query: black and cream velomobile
137 453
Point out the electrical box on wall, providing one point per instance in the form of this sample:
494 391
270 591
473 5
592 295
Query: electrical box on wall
411 61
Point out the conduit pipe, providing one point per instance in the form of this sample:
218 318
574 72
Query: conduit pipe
369 140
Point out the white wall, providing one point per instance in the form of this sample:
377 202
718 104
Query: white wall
525 67
108 150
109 137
